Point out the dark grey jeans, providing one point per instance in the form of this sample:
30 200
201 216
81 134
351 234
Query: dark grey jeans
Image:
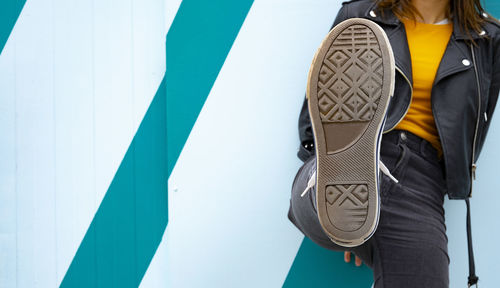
409 247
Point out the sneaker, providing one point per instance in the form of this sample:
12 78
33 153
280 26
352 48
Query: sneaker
350 83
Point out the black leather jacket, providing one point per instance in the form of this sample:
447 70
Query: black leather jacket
463 96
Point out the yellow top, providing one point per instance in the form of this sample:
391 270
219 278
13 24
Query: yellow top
427 44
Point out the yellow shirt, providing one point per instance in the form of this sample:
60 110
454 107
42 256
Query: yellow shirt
427 43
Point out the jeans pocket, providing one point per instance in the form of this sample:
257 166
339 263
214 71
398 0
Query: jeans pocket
400 157
385 186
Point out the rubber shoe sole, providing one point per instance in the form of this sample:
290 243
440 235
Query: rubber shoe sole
350 83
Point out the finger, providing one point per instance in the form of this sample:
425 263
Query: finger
358 261
347 256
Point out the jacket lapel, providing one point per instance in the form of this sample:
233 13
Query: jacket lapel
455 59
401 51
397 37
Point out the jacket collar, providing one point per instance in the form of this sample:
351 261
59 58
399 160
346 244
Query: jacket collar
387 17
453 58
459 34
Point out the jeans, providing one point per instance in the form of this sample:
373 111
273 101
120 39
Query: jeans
409 247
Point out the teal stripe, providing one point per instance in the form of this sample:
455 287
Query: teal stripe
315 266
9 12
128 226
197 45
493 7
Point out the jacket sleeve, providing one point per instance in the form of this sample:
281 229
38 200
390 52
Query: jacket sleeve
306 148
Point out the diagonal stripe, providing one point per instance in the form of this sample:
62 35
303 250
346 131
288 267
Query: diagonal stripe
492 7
9 12
308 248
197 45
127 229
130 221
315 266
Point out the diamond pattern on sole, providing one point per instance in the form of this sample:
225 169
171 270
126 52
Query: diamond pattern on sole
350 78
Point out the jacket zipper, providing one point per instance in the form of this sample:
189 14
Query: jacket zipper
407 107
474 166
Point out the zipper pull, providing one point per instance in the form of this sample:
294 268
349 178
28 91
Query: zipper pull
474 166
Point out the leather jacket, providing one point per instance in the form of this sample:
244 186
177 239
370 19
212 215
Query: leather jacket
463 97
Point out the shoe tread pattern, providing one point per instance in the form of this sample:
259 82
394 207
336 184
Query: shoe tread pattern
350 78
347 205
349 88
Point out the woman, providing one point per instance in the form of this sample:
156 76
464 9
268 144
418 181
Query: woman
444 72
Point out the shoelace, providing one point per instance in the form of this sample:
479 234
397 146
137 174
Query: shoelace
386 171
312 180
310 184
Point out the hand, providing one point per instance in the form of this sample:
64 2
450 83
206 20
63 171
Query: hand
347 258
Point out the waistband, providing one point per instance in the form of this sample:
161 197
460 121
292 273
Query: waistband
412 141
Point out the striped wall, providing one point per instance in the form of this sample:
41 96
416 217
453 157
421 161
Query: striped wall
76 78
95 118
